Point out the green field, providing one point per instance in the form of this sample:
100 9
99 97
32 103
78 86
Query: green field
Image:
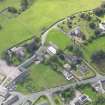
42 14
41 77
58 38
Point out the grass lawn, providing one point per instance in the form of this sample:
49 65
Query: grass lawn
88 91
58 38
41 14
41 77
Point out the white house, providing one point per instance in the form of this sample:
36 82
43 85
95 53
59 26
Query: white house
51 50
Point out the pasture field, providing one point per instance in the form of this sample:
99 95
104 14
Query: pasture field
59 38
39 16
41 77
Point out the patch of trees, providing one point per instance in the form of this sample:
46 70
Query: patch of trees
24 5
33 45
12 10
68 95
92 25
99 11
98 57
85 16
77 51
7 57
98 32
100 100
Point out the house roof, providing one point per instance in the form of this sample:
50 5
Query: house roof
51 49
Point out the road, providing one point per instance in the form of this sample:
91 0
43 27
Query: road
49 92
44 36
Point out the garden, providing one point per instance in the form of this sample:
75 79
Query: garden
41 77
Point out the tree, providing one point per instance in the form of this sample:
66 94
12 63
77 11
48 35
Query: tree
92 25
99 11
103 4
98 32
69 48
12 10
85 16
78 52
24 5
98 56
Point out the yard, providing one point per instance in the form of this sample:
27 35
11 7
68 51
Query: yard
41 77
36 18
87 89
